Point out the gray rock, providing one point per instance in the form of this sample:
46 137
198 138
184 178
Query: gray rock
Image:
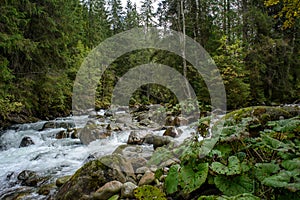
127 190
93 131
180 121
94 174
169 121
173 132
142 170
108 190
136 137
147 179
159 141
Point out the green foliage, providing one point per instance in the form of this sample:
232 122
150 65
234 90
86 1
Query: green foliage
188 178
290 11
8 105
229 59
115 197
245 196
261 164
171 182
148 192
192 177
233 168
232 186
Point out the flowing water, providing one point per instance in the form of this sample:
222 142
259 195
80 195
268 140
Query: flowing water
50 156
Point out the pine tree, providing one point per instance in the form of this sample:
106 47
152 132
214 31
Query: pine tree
132 17
147 13
116 16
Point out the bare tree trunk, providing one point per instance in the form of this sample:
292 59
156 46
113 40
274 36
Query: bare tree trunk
184 48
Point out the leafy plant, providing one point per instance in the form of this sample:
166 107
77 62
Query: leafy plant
232 186
188 178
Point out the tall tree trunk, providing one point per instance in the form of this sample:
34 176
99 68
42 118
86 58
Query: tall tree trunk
184 48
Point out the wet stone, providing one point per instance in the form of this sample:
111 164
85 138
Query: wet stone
26 141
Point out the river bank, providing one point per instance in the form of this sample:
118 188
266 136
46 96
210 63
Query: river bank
136 154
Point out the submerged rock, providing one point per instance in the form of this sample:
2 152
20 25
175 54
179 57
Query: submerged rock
28 178
26 141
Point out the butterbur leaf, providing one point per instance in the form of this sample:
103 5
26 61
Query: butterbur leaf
291 164
245 167
279 180
171 182
234 166
284 179
273 143
191 178
232 186
219 168
263 170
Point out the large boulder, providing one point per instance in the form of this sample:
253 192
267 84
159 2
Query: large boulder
136 155
93 131
137 137
95 174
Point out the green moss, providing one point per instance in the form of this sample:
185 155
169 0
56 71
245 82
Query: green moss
148 192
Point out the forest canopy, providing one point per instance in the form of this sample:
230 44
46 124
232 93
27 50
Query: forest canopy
254 43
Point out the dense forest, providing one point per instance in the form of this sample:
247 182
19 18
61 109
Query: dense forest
254 43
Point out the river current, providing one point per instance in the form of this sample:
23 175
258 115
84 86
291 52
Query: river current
49 156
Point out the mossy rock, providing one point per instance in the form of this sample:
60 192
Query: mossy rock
267 113
62 180
87 179
250 121
94 175
46 189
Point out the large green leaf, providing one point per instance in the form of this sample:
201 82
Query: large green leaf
263 170
284 179
232 186
171 182
233 168
191 178
274 143
291 164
